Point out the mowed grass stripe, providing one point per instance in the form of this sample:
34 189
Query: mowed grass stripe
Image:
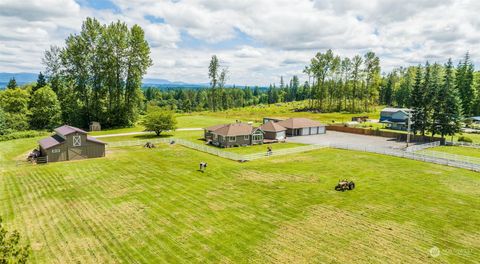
16 185
80 218
235 210
90 203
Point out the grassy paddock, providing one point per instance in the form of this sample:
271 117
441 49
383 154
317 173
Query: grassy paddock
458 150
152 205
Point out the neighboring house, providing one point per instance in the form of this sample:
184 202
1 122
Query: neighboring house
71 143
474 119
236 134
273 131
273 119
298 126
395 118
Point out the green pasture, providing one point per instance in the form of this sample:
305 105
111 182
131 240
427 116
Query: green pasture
153 206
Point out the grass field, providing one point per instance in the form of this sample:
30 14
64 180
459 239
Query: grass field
458 150
152 205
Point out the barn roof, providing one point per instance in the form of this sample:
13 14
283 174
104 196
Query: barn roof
92 139
67 130
271 126
299 122
235 129
50 142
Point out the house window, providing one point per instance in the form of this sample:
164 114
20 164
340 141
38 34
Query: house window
77 141
55 150
257 137
245 137
232 139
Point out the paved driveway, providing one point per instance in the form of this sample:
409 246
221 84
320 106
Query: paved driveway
333 137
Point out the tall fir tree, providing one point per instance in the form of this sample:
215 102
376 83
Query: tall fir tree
464 84
417 100
12 84
41 82
447 114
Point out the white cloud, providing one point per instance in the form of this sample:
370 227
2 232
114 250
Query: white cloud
283 34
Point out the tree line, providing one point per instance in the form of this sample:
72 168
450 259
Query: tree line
96 76
439 95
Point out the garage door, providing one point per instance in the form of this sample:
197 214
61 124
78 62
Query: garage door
305 131
321 130
313 130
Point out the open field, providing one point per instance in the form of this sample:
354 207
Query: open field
458 150
152 205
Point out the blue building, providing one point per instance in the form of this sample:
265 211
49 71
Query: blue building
395 118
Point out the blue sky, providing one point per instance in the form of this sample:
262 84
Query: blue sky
258 41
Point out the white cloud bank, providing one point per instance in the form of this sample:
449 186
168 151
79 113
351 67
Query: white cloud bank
275 37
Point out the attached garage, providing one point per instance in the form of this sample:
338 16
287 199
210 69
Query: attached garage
302 127
273 131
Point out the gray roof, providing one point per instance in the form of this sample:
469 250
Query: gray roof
92 139
50 142
67 130
394 110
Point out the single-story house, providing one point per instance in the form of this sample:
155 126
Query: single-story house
395 118
273 131
299 126
273 119
236 134
70 143
473 119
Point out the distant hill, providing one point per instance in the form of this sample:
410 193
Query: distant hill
20 77
26 77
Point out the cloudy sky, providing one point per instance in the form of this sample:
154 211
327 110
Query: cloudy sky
258 40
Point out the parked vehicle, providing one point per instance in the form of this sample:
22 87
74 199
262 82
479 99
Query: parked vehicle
344 185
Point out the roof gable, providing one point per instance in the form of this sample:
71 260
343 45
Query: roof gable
66 130
235 129
271 126
299 122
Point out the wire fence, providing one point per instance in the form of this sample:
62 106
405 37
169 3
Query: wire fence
437 157
419 147
217 151
443 159
464 144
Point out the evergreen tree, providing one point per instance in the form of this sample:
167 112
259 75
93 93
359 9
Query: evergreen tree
12 84
447 114
41 82
417 100
464 84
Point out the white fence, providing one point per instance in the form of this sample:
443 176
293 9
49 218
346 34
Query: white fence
427 156
464 144
283 152
217 151
422 156
415 148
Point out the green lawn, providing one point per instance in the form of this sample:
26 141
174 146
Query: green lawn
153 206
457 150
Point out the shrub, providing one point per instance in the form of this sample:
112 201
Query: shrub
21 134
465 139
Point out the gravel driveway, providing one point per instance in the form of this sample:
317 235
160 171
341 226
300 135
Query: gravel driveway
334 137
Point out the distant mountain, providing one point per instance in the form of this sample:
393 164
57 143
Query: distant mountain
20 77
26 77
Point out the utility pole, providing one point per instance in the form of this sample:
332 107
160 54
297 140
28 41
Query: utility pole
409 127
